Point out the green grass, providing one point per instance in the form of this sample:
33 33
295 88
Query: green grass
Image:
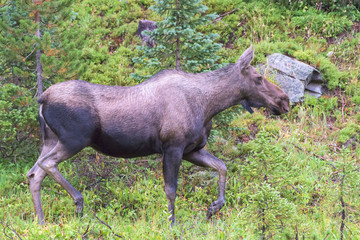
294 173
289 177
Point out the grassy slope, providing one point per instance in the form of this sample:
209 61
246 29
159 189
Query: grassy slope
291 177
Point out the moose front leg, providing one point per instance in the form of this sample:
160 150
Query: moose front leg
204 159
171 165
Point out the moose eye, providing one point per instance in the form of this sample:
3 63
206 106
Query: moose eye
258 80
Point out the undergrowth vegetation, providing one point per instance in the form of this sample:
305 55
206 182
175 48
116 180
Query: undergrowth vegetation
290 177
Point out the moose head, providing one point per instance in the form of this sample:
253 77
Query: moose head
259 92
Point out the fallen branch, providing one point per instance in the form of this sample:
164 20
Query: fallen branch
315 155
221 16
202 208
83 236
295 188
297 232
350 141
335 148
146 160
101 221
9 227
95 183
4 231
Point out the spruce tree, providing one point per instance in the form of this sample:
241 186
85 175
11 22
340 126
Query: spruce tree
39 39
178 44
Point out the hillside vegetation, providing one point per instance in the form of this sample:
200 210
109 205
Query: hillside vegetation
295 176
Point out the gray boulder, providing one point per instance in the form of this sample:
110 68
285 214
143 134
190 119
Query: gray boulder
146 25
294 77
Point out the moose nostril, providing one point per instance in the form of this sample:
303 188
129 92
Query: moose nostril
286 109
30 175
283 103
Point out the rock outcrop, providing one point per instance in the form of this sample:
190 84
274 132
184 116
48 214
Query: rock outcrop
294 77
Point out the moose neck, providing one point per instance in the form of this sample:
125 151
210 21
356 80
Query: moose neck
223 89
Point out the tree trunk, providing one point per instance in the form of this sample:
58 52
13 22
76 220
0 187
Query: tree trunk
177 40
177 53
39 70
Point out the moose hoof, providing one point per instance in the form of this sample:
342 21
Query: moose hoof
79 214
173 223
214 208
41 221
79 208
79 211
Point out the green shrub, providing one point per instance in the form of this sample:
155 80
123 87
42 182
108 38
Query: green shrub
265 48
267 173
320 23
267 208
325 104
349 8
331 74
351 130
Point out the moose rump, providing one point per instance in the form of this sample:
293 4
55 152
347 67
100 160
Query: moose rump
169 114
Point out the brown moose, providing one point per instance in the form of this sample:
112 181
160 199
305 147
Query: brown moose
169 114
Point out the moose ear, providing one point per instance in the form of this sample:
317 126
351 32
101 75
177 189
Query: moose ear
246 58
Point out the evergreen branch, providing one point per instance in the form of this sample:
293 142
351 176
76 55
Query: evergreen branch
343 216
270 236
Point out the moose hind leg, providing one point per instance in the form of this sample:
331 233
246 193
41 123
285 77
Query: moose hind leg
35 177
49 164
171 165
36 174
204 159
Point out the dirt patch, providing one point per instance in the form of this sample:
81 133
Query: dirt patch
116 42
230 42
351 142
244 138
356 27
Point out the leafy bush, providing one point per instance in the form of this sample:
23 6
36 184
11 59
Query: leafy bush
18 123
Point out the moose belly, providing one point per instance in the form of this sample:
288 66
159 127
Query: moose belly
127 145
